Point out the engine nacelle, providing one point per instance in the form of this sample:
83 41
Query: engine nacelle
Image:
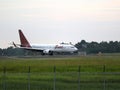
46 51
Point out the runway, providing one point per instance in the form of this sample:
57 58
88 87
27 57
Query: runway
48 56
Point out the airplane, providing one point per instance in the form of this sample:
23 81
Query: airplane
45 49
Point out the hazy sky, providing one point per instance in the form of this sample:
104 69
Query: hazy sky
55 21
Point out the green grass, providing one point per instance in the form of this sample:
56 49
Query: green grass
42 76
89 63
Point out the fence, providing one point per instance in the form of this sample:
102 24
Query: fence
60 80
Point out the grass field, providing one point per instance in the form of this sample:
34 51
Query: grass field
67 76
88 63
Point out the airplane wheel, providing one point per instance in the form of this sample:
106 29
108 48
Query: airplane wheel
51 53
42 54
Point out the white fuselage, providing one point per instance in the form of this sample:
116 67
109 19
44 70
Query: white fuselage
55 47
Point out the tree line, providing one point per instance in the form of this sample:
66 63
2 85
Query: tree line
95 47
83 46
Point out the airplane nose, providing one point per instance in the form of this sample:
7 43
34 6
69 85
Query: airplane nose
76 49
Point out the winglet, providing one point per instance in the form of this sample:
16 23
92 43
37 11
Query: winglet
23 40
14 44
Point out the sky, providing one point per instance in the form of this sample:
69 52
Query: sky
56 21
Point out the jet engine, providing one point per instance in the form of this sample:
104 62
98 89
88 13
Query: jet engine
47 51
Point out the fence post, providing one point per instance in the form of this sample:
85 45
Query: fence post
54 86
4 78
79 68
29 78
104 81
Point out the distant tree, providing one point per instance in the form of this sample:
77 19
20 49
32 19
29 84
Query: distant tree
0 52
114 46
95 47
10 51
81 45
104 47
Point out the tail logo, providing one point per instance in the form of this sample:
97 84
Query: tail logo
23 40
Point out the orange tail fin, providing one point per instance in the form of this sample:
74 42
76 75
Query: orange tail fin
23 40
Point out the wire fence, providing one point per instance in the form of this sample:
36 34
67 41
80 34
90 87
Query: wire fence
60 80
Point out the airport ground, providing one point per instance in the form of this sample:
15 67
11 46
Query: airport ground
41 76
